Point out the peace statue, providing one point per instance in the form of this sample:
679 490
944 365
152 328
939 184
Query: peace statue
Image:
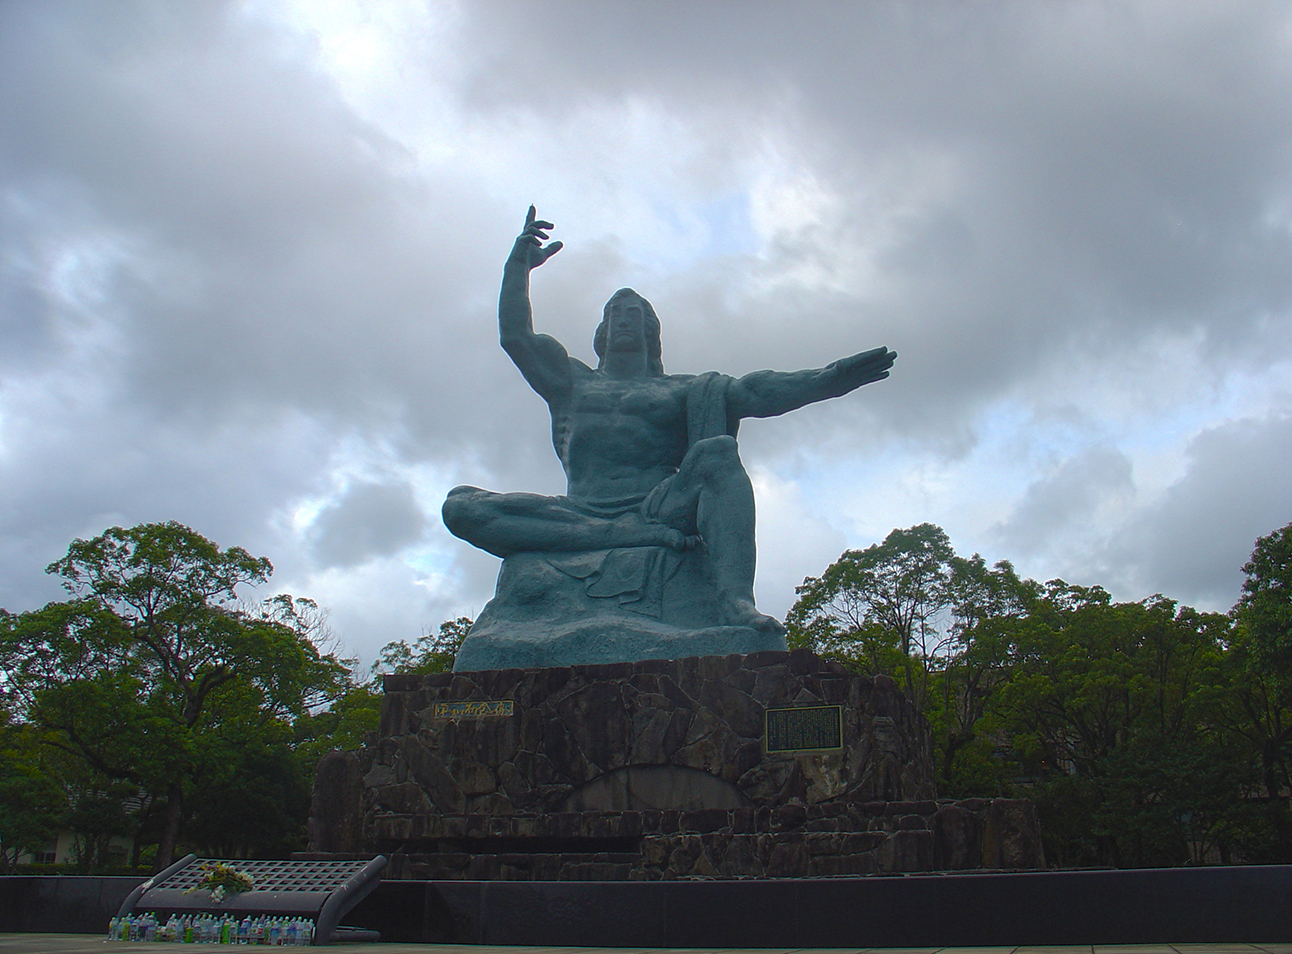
650 552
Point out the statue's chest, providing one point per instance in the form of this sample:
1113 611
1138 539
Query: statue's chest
649 402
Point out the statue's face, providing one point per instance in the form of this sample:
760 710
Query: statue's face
627 331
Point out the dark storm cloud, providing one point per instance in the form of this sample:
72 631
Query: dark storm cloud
228 282
368 520
267 252
1193 543
1110 171
1067 502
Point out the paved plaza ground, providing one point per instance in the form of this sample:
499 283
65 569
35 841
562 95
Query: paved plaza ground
89 944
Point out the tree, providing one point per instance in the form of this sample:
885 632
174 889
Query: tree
986 604
32 804
356 711
1258 712
1265 606
344 724
911 604
433 652
1146 732
97 814
256 806
150 672
1263 650
1113 706
898 587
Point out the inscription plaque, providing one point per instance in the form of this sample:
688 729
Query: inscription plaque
803 729
474 709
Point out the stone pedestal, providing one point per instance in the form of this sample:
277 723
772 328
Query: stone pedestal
657 769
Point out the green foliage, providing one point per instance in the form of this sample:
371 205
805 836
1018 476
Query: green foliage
254 805
985 606
1261 664
343 725
96 816
1265 607
32 804
356 711
1112 705
880 604
153 674
433 652
1147 733
910 605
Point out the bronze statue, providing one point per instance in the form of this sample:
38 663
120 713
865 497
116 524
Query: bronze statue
651 462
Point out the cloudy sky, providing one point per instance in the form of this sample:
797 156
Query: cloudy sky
250 251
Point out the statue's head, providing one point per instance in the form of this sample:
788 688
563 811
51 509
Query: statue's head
626 297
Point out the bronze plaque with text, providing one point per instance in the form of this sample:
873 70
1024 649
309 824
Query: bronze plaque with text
804 729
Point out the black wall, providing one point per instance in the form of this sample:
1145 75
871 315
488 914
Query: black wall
1172 905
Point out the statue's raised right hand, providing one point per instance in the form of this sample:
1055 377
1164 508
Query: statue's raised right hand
529 248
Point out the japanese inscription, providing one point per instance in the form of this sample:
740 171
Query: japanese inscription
474 709
803 729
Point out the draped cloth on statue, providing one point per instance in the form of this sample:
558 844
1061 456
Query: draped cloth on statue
574 608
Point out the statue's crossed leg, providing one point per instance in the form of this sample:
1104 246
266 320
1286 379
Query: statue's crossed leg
709 499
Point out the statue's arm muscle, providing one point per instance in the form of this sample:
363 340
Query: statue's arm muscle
541 358
770 393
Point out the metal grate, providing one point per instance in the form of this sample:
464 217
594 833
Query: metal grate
321 890
276 875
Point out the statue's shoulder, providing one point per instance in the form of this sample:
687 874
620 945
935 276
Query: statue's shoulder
579 369
704 381
706 378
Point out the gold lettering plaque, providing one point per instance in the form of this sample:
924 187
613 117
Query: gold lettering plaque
474 709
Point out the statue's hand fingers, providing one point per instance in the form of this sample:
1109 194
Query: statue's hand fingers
545 253
879 358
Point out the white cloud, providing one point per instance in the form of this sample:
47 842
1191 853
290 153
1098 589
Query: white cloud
249 256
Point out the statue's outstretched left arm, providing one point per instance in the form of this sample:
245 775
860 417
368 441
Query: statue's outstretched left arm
769 393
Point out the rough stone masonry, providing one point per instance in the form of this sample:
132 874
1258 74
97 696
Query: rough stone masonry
651 770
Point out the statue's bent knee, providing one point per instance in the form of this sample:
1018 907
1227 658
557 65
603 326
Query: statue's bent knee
460 511
716 457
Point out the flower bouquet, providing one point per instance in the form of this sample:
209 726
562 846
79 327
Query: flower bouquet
221 879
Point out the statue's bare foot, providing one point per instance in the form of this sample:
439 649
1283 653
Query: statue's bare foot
742 612
676 540
639 534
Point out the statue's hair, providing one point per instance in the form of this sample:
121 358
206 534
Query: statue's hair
650 324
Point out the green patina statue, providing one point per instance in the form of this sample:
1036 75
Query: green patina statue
650 553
